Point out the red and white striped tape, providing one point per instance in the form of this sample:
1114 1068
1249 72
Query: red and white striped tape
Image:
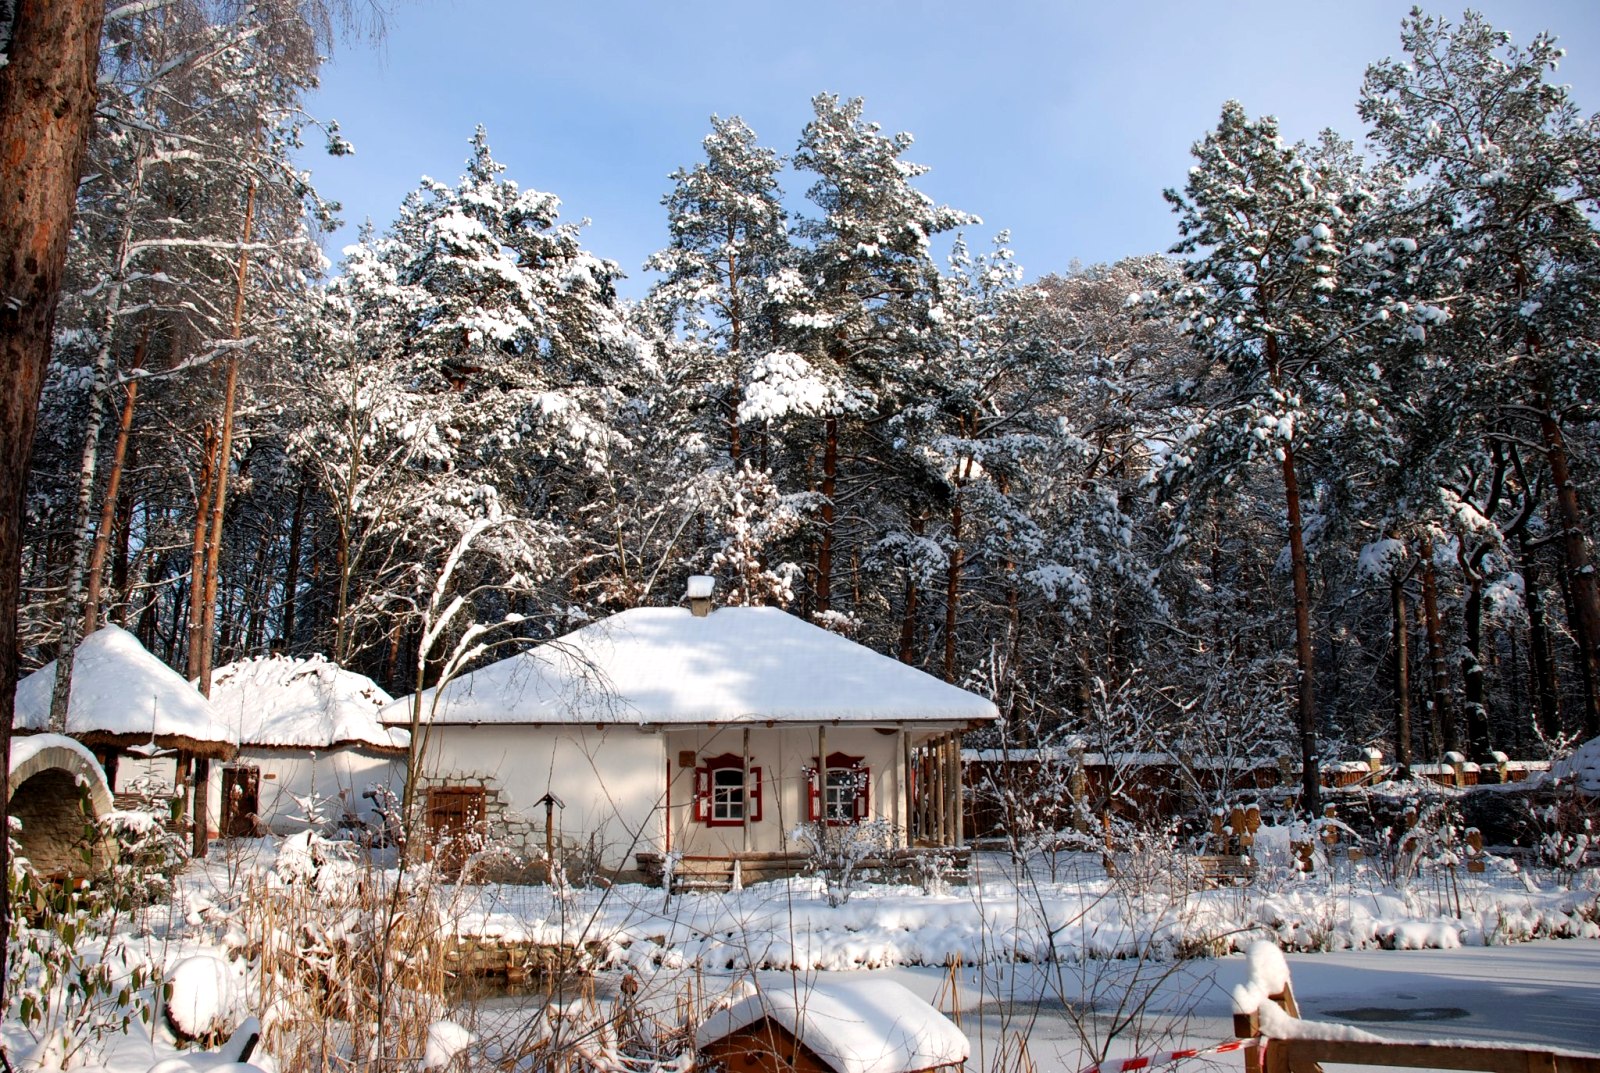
1145 1061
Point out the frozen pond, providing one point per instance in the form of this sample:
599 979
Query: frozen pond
1547 991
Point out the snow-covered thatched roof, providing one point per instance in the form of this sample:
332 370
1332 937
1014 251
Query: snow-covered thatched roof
854 1026
309 703
1581 768
665 665
122 694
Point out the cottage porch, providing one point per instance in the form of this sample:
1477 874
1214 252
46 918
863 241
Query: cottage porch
718 873
734 795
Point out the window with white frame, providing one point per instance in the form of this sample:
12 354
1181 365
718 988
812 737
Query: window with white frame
843 797
722 797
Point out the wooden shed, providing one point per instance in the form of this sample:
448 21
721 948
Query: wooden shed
837 1026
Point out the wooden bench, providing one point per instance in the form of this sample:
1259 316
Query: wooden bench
1225 869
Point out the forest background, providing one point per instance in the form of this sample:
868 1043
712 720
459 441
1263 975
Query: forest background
1322 478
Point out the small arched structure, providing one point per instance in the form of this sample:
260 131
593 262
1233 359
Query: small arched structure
58 796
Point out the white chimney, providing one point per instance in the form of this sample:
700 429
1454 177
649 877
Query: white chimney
699 593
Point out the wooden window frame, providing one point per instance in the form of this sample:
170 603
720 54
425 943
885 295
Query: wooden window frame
705 786
861 807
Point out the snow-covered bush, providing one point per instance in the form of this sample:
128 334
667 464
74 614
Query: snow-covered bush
835 852
74 978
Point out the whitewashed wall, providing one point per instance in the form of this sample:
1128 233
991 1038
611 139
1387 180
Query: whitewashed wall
142 776
610 779
783 754
333 781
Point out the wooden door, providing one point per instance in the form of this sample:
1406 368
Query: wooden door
455 823
241 801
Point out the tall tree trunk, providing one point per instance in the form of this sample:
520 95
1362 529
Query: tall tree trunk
830 474
735 345
197 550
1586 676
291 570
908 622
1402 678
952 581
1440 719
1541 668
1580 569
122 539
47 95
1310 777
108 508
88 468
219 501
1472 672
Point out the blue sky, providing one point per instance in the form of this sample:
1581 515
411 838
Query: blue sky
1059 121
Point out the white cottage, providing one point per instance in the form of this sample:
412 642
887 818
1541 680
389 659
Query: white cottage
150 729
312 752
703 734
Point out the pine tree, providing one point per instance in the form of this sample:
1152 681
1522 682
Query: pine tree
1501 162
866 287
729 240
1259 301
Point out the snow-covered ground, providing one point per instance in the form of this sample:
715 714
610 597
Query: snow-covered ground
1003 915
1069 964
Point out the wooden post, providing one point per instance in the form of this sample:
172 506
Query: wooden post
958 805
822 776
182 790
908 796
202 795
747 809
1079 785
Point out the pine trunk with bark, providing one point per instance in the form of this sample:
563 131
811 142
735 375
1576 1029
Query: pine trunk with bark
83 540
47 97
109 505
1580 570
1402 678
823 600
1440 720
1304 651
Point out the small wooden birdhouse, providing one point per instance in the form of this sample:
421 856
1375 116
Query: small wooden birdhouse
846 1026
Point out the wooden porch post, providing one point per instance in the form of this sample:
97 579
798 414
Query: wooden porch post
952 791
904 763
960 797
822 775
747 803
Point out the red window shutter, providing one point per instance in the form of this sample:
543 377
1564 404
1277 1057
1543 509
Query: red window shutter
753 796
865 777
813 796
702 794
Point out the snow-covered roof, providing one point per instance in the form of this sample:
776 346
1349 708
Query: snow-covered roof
312 703
855 1026
120 689
665 665
1582 767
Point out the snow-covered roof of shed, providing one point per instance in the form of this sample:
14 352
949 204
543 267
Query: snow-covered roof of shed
664 665
855 1026
120 688
1582 767
310 702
